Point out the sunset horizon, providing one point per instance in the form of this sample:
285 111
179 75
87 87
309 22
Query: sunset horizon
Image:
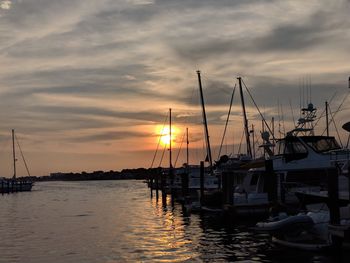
87 85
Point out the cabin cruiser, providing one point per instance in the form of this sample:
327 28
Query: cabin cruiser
302 162
307 158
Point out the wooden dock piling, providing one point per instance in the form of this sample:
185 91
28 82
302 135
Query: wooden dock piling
157 186
271 181
151 185
333 196
185 184
227 188
201 181
162 186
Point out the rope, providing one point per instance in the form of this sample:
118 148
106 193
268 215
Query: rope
240 143
324 110
24 160
251 97
228 117
160 137
161 159
284 128
291 109
178 153
339 107
335 126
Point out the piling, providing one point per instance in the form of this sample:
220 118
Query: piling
271 181
157 186
333 196
282 189
201 181
184 184
227 188
333 205
162 186
151 185
172 189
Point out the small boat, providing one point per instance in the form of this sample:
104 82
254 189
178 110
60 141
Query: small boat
310 231
14 184
305 231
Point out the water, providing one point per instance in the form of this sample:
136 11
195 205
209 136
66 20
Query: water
116 221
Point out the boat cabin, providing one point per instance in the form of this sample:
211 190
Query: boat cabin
299 147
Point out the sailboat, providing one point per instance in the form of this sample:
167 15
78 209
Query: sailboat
15 184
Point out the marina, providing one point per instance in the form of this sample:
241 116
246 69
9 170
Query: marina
294 196
174 131
298 170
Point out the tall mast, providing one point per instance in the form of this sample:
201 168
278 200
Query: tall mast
170 162
187 143
14 154
249 148
273 133
327 125
205 120
253 135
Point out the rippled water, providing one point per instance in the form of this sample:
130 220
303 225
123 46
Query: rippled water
117 221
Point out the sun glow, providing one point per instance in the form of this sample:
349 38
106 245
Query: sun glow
5 4
164 133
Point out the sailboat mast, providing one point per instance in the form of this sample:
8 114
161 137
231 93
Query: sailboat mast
249 148
170 150
14 154
187 143
327 125
205 120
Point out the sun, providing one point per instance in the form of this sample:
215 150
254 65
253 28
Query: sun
164 133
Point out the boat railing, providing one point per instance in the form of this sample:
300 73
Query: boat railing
294 186
340 155
340 159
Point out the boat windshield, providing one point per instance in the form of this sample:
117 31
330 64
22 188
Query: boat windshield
290 146
322 144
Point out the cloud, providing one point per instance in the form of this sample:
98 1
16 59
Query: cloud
108 136
98 70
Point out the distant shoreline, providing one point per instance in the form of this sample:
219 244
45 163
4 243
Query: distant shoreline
125 174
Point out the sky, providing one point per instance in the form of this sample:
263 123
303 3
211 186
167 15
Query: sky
87 85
